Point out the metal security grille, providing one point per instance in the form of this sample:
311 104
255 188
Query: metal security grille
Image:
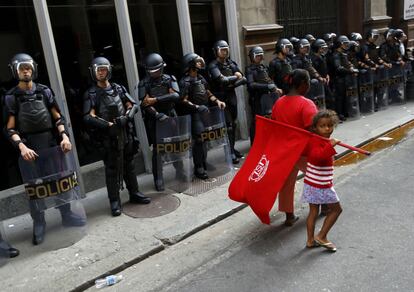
300 17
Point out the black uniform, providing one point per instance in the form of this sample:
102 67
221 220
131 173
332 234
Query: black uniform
223 84
341 68
160 88
196 90
261 89
117 143
36 127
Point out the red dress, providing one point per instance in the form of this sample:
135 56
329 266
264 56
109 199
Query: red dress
298 111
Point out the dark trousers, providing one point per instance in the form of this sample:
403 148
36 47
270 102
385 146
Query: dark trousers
230 115
119 165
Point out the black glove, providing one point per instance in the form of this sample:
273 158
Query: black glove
202 109
121 121
271 86
161 117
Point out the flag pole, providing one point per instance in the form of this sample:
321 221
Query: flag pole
362 151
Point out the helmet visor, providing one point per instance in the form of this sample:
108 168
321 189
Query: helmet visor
102 71
258 57
199 63
323 50
223 52
287 48
26 65
22 70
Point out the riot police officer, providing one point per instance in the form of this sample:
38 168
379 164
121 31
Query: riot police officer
109 110
310 38
262 90
320 63
33 116
197 98
303 61
159 94
280 66
225 77
341 68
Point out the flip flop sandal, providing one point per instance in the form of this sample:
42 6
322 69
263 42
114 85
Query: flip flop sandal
314 244
328 245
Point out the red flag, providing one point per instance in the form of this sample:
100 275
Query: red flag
276 149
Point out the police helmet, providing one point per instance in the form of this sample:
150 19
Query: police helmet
100 62
294 41
398 33
354 46
355 36
154 63
303 43
220 45
342 40
19 60
255 51
373 33
283 44
192 61
388 33
319 44
310 38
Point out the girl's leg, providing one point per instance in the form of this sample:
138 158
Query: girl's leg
310 223
334 211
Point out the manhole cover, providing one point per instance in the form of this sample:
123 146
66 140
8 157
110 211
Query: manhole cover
161 204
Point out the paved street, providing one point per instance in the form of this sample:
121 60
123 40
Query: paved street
374 238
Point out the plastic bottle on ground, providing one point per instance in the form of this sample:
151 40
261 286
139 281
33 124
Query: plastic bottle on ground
108 281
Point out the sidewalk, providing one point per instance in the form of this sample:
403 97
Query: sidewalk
113 244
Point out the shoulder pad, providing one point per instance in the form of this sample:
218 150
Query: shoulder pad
213 64
41 87
11 91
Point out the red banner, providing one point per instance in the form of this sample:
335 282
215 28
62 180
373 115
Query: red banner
276 149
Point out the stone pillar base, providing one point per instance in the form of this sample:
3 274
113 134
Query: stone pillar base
265 36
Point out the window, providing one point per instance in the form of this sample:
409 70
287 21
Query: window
155 29
84 30
208 24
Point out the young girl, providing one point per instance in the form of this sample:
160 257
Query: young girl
318 187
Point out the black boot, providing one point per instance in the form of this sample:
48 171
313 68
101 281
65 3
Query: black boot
138 198
234 159
69 218
7 251
200 173
159 185
115 208
238 154
39 228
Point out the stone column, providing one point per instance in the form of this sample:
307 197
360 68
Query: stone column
376 15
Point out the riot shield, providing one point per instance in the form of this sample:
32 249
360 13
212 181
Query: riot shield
396 84
366 91
381 87
267 101
351 95
4 246
52 188
173 150
316 93
218 163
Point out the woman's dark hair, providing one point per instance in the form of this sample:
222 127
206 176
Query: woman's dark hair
296 78
325 113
